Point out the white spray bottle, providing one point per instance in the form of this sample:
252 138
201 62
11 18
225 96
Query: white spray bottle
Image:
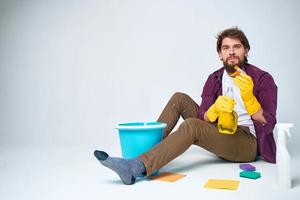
283 160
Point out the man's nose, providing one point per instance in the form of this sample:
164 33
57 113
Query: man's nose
231 51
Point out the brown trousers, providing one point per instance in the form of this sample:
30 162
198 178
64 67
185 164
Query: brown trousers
239 147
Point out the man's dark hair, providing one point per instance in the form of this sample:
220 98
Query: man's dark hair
234 33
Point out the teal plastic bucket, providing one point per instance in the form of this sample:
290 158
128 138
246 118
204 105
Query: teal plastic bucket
138 137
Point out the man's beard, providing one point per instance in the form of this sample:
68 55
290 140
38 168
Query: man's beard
230 68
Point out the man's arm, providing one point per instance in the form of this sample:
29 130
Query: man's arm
267 96
259 108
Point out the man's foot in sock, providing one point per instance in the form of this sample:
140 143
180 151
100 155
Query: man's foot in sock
127 169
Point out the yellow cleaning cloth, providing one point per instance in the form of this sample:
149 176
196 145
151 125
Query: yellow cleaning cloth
222 184
168 176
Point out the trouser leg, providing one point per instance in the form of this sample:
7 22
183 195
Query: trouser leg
239 147
179 104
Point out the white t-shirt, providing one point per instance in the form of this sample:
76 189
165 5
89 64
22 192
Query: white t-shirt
244 119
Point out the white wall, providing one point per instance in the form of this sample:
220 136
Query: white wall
72 70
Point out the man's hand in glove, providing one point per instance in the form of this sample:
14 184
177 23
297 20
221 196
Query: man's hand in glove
222 104
245 84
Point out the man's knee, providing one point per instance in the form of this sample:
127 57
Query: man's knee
179 95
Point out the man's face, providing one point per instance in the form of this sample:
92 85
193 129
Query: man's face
232 53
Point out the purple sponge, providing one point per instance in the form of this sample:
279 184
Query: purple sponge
247 167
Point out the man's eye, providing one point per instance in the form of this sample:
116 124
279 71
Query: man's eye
238 46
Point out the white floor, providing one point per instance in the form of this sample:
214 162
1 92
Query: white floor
68 173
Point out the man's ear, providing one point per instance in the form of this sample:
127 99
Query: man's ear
247 51
220 56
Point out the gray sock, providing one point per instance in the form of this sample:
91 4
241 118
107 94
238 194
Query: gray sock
127 169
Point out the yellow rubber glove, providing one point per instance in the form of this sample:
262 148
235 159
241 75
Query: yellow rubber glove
222 104
245 84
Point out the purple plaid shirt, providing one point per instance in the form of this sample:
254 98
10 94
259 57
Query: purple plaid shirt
265 90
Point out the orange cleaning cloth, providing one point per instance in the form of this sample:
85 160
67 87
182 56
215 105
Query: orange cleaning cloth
168 176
